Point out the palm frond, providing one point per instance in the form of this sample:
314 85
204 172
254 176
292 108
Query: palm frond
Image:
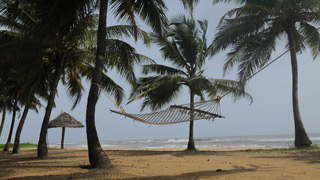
312 38
170 50
228 1
161 70
224 86
74 86
159 92
152 12
127 31
189 5
123 57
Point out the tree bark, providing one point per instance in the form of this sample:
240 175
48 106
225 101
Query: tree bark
16 146
191 145
7 146
62 137
97 157
3 118
301 137
42 144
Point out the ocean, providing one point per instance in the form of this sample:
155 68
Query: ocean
271 141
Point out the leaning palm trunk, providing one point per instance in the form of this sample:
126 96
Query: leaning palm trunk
16 146
7 146
42 144
97 157
301 137
3 118
191 145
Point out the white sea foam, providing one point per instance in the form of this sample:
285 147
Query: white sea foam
177 140
274 141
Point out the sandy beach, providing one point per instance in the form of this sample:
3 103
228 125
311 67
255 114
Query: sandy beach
214 163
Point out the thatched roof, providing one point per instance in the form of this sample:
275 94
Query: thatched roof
65 120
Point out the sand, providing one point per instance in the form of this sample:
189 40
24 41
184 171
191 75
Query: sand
213 163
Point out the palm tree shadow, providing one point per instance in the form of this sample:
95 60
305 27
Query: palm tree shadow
310 157
173 153
196 175
117 175
91 176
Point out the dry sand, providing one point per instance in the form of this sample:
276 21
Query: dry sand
217 163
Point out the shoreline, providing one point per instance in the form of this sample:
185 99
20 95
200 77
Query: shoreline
125 148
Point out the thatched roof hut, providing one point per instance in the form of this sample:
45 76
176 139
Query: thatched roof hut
64 120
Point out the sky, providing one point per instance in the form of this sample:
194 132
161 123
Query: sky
270 112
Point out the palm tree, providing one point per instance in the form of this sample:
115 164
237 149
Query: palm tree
10 92
52 32
253 30
70 27
4 110
185 47
16 93
32 88
5 100
16 146
119 55
152 12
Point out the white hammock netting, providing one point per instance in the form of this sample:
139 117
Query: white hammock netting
208 110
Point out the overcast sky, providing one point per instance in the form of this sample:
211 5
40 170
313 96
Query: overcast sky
270 113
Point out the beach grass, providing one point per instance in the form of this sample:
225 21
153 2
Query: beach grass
22 145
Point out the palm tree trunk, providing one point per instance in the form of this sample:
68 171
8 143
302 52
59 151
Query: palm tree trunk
301 137
3 118
191 145
42 144
62 137
97 157
16 146
7 146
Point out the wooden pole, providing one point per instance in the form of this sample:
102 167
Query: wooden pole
62 137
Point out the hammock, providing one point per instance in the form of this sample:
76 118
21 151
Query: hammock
208 110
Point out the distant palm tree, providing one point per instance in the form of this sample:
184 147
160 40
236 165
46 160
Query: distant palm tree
15 92
4 111
253 30
185 47
152 12
6 102
32 88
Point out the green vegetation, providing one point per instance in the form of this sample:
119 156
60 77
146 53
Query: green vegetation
22 145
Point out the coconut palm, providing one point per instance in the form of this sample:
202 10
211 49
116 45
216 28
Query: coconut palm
10 92
4 111
14 92
54 36
5 100
253 31
33 87
119 55
185 47
152 12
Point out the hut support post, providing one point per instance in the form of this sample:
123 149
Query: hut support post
62 137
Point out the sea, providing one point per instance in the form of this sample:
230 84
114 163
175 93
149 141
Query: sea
269 141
